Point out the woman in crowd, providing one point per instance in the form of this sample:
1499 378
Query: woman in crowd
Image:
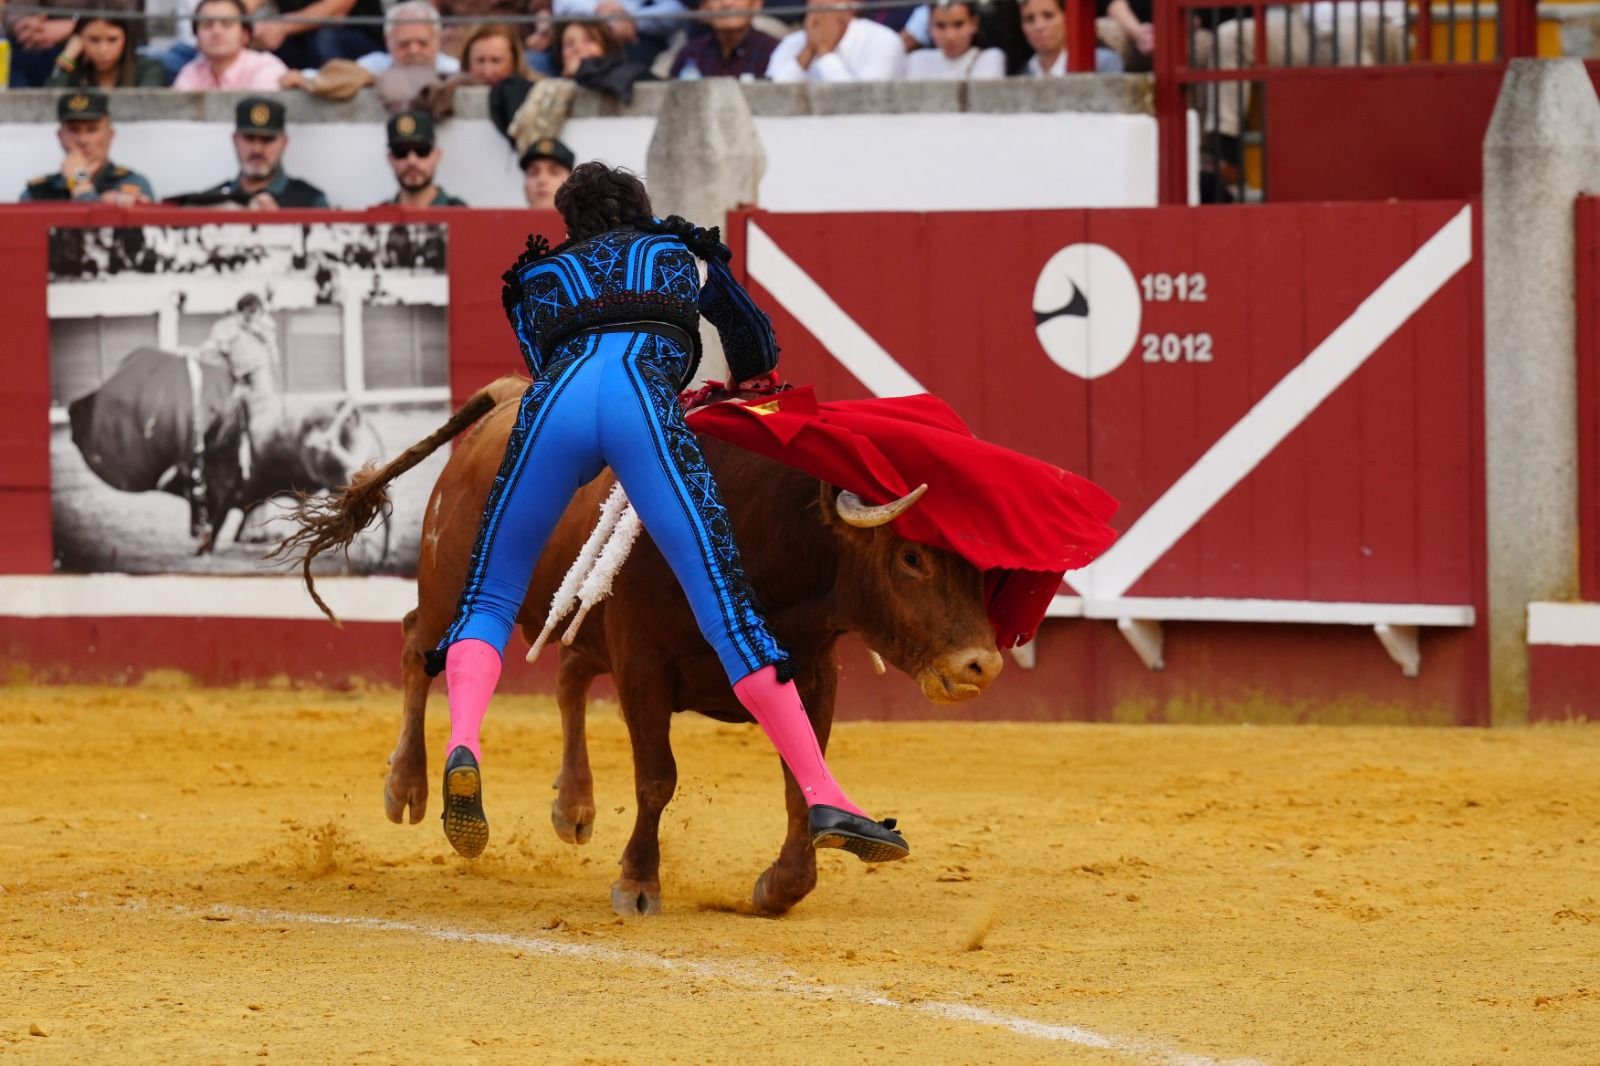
955 55
492 54
585 40
103 53
1044 24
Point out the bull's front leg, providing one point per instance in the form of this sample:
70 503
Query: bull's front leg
407 782
792 877
647 710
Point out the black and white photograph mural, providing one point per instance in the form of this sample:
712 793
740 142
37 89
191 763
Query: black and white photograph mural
202 376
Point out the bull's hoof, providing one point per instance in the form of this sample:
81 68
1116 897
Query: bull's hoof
575 825
402 791
636 899
465 825
769 900
869 841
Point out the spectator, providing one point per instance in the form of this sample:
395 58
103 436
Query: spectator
594 59
87 172
261 185
175 48
412 34
224 61
1044 24
733 48
492 54
585 40
1327 33
955 56
36 39
103 53
308 45
546 166
414 157
1124 27
539 45
641 40
477 12
837 46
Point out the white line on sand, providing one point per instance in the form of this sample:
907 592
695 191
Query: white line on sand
778 982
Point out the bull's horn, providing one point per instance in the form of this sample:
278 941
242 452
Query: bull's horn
346 409
865 516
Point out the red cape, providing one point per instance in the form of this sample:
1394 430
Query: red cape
1021 521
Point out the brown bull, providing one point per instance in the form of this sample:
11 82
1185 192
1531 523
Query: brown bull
817 576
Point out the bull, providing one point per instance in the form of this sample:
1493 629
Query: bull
168 423
822 565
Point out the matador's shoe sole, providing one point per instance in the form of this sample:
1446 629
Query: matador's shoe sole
465 825
867 840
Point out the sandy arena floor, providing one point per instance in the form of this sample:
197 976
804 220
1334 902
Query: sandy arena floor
202 876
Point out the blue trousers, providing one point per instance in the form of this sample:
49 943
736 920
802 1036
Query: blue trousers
613 402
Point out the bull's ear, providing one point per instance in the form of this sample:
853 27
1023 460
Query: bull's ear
826 495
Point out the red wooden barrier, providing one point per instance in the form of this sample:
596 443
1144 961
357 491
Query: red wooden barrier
1370 498
1212 332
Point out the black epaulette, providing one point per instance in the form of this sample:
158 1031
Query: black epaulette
41 181
705 243
120 172
537 248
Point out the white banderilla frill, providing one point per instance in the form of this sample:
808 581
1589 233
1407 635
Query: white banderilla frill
589 579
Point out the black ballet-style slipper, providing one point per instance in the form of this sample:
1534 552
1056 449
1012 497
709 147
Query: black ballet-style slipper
465 825
867 840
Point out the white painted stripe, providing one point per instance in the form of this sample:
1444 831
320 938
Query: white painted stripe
353 599
1065 607
1199 609
1567 625
814 309
1279 412
766 979
1205 609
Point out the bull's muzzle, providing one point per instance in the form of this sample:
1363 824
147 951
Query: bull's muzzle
960 675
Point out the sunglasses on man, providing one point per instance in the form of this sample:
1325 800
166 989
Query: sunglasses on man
404 151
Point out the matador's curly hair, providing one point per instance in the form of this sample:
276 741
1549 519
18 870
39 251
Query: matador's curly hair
597 198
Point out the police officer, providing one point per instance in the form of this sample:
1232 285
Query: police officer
261 185
87 172
414 157
545 165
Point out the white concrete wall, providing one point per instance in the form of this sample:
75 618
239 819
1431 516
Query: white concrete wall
844 162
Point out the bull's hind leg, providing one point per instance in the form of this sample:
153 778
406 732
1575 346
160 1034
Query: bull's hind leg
792 877
572 811
648 714
407 783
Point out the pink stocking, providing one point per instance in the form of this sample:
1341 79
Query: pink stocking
776 706
471 671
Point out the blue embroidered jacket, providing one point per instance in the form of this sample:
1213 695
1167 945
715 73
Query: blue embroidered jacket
645 272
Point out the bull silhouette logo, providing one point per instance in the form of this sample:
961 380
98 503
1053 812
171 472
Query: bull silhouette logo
1086 310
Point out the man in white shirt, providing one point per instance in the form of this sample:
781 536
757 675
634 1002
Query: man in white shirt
837 46
411 32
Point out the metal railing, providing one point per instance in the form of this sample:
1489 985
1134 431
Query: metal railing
1222 68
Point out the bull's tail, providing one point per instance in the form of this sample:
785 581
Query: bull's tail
334 521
